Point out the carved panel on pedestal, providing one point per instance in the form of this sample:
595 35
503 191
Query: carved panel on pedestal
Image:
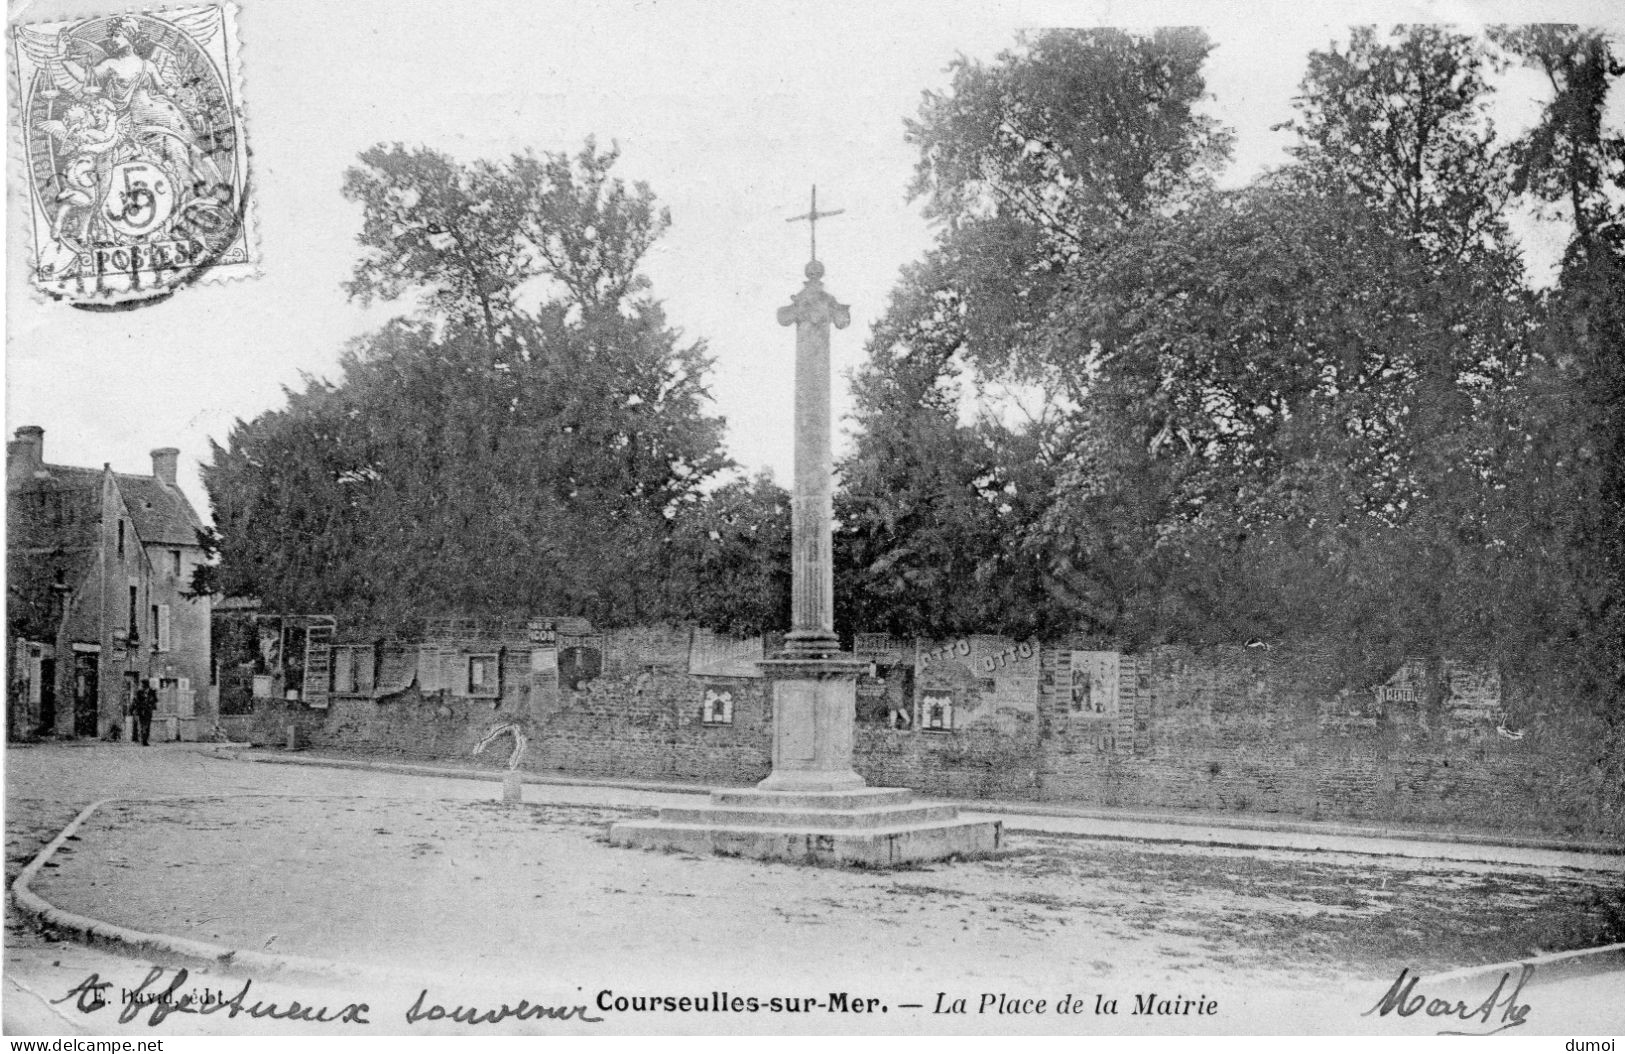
796 720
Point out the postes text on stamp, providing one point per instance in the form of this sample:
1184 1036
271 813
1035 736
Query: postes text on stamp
132 136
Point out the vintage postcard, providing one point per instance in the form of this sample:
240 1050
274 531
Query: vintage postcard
929 520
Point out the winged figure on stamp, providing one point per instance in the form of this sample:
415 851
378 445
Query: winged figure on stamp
133 114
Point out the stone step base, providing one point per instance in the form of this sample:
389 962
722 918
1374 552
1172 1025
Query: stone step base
818 837
812 818
860 798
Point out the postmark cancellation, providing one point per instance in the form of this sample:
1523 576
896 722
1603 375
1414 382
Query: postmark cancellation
132 139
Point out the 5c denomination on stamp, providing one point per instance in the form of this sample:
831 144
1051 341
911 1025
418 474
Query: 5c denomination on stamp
137 166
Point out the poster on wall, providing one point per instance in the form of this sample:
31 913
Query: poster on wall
712 654
988 680
1094 683
544 667
882 649
937 708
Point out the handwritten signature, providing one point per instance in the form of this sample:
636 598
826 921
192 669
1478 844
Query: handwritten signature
1403 998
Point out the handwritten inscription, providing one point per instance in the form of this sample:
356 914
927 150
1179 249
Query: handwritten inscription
1403 999
524 1010
158 1002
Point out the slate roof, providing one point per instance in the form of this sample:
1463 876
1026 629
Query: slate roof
161 513
52 534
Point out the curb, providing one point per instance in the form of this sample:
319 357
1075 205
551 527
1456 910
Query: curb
1215 840
489 776
1014 808
1467 973
96 932
1401 834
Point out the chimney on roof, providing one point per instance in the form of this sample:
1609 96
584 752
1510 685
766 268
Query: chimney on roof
164 460
25 455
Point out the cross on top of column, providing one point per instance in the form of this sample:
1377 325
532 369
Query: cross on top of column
812 216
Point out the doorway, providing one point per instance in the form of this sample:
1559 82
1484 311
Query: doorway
47 697
86 694
132 681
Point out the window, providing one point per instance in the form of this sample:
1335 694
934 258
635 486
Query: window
484 676
160 627
121 536
353 670
718 708
175 562
132 631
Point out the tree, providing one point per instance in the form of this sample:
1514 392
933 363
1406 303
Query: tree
736 548
1037 159
1405 126
1570 157
470 236
484 457
1572 164
1028 165
1283 407
933 512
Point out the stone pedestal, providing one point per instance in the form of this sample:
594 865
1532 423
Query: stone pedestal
814 701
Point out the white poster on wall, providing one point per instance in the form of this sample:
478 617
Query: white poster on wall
1094 683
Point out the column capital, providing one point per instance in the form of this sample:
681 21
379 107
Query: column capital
813 305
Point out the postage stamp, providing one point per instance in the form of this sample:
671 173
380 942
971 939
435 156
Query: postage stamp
131 131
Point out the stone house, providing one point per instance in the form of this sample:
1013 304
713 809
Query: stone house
97 566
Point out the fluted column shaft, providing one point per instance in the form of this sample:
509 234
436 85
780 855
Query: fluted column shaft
812 591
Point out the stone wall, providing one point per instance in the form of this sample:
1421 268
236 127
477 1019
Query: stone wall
640 718
1243 730
1221 729
643 717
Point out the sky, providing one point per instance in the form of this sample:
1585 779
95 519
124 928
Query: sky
729 111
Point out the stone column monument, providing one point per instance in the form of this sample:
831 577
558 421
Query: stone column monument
813 806
814 683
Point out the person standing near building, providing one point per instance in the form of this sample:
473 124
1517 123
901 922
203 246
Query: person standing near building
146 701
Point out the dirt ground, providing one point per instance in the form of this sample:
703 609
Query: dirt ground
437 885
506 890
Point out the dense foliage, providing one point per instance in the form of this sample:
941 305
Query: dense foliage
1331 403
489 456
